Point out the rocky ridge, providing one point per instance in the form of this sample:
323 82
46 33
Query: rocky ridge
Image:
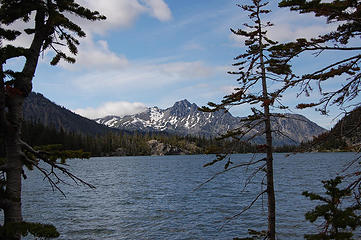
184 118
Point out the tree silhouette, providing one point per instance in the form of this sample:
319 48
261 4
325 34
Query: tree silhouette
54 30
344 69
254 72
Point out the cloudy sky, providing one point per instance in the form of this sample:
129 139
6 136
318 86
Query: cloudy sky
155 52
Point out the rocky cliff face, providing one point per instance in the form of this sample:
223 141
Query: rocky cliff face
184 118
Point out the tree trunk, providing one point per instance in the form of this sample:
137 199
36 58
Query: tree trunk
269 161
14 99
268 131
270 184
12 212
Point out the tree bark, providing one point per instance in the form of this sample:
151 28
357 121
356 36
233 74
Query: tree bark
12 212
12 99
270 183
269 159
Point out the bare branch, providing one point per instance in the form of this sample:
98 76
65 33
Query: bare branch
227 170
252 176
50 180
43 156
244 209
285 135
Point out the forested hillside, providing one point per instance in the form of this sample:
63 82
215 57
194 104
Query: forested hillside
344 136
37 108
46 123
128 143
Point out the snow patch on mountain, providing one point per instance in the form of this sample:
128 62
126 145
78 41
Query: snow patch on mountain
184 118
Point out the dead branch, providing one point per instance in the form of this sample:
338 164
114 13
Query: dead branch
50 180
48 175
252 176
227 170
285 135
228 219
67 173
348 165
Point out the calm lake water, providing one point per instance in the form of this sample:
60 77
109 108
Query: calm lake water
154 197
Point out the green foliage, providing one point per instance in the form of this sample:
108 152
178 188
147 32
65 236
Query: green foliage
122 143
338 221
38 230
57 151
51 21
255 235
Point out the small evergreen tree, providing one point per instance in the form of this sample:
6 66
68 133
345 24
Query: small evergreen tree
338 221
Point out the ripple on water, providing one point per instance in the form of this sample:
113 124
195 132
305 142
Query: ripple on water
154 198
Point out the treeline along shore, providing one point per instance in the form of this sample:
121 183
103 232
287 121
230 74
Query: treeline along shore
124 143
344 136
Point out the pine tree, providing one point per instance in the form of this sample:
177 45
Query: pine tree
52 28
338 221
254 75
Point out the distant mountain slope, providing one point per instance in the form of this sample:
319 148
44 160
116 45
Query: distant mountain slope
345 135
37 108
184 118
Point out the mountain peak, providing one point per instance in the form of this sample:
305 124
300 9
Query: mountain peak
183 102
184 118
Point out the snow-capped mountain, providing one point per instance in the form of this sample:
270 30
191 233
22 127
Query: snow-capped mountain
184 118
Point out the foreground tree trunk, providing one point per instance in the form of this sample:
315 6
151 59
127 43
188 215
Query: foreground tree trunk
254 69
12 210
51 29
269 158
270 182
268 132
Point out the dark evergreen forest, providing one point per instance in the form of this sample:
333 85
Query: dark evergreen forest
128 143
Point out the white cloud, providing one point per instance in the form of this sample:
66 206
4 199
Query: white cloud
143 76
289 26
111 108
237 39
119 13
24 40
228 89
96 55
289 32
123 13
159 9
184 70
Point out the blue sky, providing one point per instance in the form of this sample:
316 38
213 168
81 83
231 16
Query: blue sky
155 52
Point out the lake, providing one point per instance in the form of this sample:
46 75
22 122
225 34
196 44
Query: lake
155 198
